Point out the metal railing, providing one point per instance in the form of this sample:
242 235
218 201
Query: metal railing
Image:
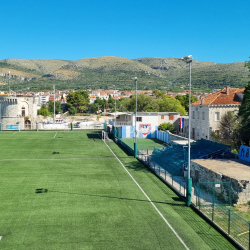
215 211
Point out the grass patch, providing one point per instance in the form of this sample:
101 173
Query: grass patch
82 198
144 143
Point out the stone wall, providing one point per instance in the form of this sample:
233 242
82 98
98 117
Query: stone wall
11 110
240 192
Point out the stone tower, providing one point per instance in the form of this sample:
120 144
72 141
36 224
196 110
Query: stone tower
20 110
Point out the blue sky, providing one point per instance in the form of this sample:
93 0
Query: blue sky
210 30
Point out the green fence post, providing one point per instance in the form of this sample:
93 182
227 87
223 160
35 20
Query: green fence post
249 236
135 150
71 126
189 191
0 126
37 126
104 126
229 219
213 202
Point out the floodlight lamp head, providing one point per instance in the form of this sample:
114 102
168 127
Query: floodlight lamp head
187 58
134 78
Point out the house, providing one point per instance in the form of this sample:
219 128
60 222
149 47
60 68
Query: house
146 123
207 112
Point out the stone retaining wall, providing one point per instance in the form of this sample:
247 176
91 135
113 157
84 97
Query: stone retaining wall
240 192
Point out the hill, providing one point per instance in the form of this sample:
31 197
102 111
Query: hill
104 72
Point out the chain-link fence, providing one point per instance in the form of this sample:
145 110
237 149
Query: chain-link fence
212 199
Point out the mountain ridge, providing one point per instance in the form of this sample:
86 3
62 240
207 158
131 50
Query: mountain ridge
104 72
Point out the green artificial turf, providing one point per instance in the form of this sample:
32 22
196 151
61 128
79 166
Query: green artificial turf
144 143
88 201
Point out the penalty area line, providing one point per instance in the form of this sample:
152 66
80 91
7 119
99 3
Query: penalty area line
165 220
55 135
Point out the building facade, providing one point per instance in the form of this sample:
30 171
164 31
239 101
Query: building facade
146 123
20 110
206 113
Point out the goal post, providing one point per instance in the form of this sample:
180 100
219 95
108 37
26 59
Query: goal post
103 135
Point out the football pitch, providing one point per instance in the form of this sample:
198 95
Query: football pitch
69 190
144 143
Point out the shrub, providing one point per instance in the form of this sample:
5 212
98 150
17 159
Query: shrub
166 126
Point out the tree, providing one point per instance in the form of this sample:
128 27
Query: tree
43 110
145 103
94 107
244 113
230 130
78 100
166 126
100 103
170 104
57 107
72 110
184 100
159 93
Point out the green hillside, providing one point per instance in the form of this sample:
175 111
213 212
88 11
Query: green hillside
103 72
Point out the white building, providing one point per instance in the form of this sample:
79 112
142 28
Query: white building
146 122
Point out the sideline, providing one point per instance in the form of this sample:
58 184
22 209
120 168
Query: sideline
149 200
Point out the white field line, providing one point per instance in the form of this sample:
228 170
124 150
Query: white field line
55 135
165 220
1 237
13 134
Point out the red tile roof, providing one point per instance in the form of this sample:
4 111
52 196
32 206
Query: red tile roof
222 97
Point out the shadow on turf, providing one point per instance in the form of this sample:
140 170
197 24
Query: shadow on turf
137 166
115 197
93 136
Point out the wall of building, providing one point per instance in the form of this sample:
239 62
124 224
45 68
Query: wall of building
203 119
11 110
168 117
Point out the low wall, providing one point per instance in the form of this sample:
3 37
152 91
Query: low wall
240 192
174 137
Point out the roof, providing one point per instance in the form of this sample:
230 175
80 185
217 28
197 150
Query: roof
225 96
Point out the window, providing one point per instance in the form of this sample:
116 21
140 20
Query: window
198 114
171 117
162 117
203 115
193 114
139 119
217 132
23 111
217 116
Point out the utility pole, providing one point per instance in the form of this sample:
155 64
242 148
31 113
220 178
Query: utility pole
135 144
9 81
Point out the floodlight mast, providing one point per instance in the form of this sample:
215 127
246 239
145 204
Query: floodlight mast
135 144
115 112
189 59
54 103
